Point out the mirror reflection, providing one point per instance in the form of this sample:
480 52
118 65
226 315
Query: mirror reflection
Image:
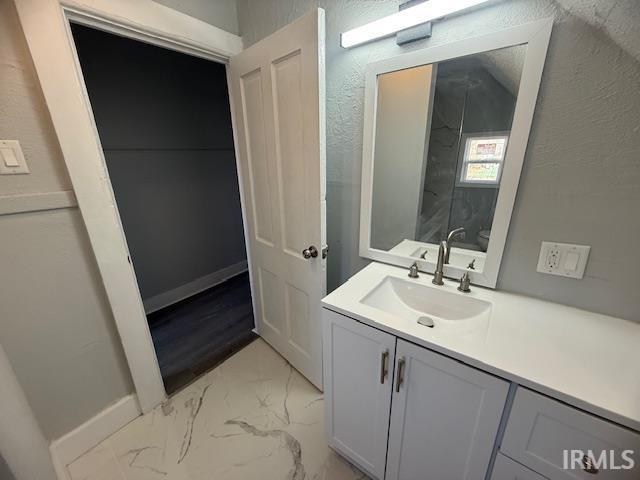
441 137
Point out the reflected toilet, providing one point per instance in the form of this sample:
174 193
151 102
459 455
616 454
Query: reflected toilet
483 239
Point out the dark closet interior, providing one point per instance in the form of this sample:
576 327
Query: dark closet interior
164 123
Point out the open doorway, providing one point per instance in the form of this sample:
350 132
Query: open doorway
164 123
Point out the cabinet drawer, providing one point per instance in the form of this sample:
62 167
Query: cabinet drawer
540 430
507 469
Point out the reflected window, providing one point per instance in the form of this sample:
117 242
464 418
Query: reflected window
482 160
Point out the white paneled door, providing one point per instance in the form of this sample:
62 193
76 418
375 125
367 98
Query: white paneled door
277 93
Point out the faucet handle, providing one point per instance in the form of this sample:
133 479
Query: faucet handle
465 283
413 270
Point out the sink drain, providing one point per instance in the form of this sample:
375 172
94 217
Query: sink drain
426 321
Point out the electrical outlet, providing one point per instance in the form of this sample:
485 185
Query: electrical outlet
563 259
552 259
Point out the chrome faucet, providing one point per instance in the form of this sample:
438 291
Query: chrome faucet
439 273
443 254
457 234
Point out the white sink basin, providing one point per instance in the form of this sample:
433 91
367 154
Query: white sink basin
428 305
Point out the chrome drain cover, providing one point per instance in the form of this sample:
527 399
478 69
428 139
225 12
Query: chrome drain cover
426 321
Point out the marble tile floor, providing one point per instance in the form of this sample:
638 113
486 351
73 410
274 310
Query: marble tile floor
252 417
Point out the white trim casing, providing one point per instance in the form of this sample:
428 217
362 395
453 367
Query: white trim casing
536 37
154 23
45 24
80 440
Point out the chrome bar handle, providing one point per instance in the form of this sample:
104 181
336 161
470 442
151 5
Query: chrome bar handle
400 374
384 368
588 465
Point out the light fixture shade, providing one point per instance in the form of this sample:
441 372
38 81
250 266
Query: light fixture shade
424 12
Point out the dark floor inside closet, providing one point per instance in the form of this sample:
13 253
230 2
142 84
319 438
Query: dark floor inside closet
193 336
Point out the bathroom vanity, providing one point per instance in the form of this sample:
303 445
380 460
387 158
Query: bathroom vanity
501 385
429 381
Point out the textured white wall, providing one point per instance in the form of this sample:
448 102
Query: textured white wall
55 324
581 178
219 13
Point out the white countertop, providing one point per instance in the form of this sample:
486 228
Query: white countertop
585 359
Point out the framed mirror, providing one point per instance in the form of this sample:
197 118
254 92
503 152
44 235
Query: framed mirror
445 134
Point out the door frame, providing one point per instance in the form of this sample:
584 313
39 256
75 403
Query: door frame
46 27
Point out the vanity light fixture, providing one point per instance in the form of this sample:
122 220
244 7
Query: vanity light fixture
409 17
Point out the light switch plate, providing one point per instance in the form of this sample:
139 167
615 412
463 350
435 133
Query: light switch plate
12 160
563 259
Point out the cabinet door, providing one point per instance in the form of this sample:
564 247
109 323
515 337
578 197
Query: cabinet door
507 469
543 434
358 366
444 419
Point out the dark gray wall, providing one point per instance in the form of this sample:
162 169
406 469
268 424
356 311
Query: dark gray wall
165 127
580 182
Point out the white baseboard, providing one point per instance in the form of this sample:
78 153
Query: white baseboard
198 285
83 438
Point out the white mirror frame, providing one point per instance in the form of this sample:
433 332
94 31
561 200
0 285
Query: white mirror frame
536 36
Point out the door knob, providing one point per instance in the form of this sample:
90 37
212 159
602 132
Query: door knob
311 252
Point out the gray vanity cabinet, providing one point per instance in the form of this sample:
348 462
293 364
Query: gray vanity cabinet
402 412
